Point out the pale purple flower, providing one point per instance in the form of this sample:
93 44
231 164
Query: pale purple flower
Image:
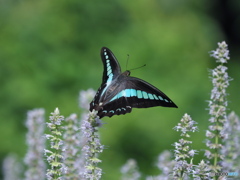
209 134
186 125
12 168
36 143
192 152
221 54
165 164
202 171
85 98
130 170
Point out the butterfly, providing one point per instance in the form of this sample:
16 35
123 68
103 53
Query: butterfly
119 92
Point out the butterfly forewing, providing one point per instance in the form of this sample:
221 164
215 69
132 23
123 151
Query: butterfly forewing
110 64
111 71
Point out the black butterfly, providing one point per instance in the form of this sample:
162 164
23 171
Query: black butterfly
119 92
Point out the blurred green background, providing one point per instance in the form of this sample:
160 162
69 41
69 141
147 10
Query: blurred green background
49 51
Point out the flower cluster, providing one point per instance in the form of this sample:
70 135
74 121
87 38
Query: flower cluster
36 143
231 144
201 171
217 106
183 152
54 155
130 170
165 164
93 147
12 168
71 147
85 98
222 53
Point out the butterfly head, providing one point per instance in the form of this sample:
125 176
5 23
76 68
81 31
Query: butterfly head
127 73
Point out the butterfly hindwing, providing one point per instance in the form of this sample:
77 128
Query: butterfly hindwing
144 95
134 93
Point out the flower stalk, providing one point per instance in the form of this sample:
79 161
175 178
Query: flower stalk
183 153
217 107
93 147
71 147
54 155
36 143
231 146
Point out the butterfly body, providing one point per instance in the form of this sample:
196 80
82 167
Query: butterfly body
119 92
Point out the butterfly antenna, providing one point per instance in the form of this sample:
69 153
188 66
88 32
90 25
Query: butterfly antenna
127 60
133 68
138 67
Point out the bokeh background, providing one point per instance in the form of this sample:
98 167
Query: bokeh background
49 51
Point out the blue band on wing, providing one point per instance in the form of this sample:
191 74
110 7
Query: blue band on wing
139 94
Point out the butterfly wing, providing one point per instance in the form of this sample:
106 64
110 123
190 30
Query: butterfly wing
133 93
112 69
111 66
144 94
